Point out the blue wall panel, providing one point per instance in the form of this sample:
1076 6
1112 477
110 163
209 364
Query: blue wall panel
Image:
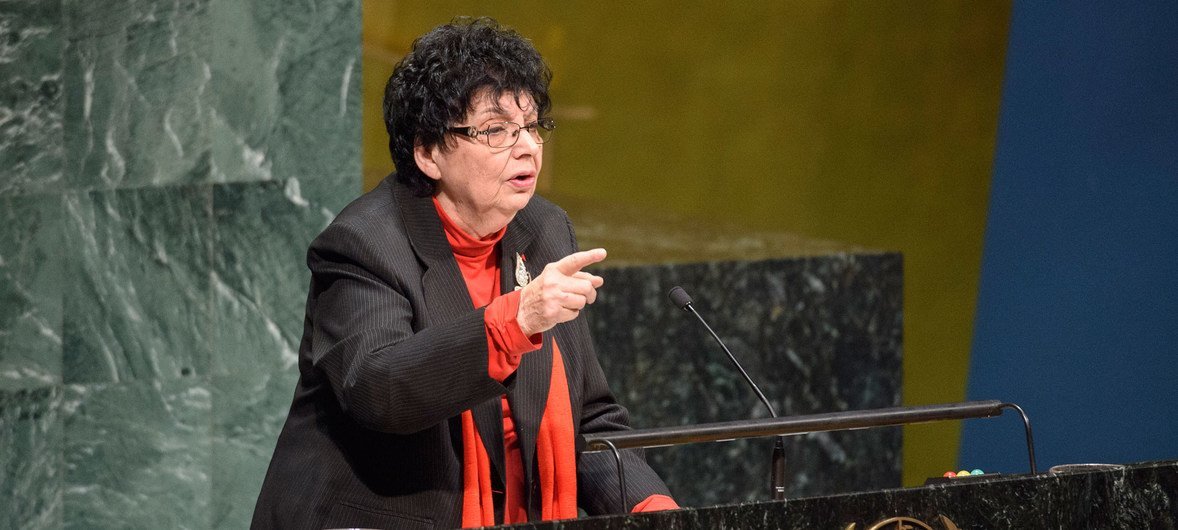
1078 311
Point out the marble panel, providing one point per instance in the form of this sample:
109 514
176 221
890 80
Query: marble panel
287 95
248 413
31 44
31 459
30 291
134 112
260 279
1137 496
139 304
137 454
260 276
818 334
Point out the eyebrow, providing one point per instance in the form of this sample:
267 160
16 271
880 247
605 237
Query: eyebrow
495 111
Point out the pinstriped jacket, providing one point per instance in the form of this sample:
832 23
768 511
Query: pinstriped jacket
392 353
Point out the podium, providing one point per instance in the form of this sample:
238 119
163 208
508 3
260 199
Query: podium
1143 495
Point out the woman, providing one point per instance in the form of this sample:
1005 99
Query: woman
444 372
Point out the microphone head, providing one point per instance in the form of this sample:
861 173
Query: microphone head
679 297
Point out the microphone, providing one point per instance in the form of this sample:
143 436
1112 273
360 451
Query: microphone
682 300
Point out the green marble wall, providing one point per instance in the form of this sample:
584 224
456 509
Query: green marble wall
163 166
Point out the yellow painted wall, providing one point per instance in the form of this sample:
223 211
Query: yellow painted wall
870 123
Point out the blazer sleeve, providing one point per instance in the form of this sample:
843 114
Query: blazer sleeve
597 473
598 488
386 376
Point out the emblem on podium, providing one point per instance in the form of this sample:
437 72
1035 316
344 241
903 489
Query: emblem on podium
908 523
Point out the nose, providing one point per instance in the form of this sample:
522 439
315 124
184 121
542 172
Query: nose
527 143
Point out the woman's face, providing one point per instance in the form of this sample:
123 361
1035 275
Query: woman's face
481 187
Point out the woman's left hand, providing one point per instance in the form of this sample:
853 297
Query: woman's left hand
560 292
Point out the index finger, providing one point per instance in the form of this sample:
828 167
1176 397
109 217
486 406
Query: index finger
576 261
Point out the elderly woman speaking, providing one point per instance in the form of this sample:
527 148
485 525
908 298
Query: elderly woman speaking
444 371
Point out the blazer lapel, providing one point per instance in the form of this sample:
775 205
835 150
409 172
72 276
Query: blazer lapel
529 395
446 299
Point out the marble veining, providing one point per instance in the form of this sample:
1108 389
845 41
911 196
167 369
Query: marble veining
137 454
165 165
1138 496
248 413
30 291
259 275
260 280
31 103
138 73
139 303
31 459
286 98
818 334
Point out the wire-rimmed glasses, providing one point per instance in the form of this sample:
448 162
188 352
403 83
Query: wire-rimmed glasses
505 134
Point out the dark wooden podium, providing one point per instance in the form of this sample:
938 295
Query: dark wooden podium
1141 495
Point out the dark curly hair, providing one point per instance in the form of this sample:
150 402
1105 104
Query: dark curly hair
432 87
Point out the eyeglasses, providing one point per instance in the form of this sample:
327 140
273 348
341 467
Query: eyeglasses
505 134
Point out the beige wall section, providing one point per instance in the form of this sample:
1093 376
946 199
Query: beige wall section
870 123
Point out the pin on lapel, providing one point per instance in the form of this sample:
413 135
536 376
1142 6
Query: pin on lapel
521 272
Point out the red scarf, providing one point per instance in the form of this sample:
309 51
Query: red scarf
555 451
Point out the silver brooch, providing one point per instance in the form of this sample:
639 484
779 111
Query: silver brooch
521 272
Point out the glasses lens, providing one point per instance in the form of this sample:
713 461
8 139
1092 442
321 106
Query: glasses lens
506 134
542 131
502 134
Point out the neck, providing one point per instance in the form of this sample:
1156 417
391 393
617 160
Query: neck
474 223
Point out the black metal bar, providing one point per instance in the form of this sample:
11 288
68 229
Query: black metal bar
625 507
792 425
1030 439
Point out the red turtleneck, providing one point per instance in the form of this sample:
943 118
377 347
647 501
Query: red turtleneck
478 259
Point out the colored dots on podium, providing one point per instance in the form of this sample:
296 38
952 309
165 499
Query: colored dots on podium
963 473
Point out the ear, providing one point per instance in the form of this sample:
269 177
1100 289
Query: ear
426 158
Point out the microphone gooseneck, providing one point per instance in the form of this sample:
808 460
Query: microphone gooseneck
682 300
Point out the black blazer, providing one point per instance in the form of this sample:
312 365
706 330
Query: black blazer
393 352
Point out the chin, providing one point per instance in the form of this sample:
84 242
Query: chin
523 197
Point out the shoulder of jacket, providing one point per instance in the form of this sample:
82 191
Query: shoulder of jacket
372 216
376 203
